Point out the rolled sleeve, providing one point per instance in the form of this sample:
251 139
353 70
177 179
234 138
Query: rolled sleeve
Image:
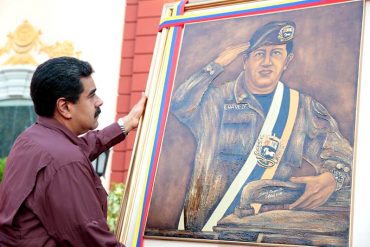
99 141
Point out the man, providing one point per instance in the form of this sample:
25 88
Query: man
255 128
50 194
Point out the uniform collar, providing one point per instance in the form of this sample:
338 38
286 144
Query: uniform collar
241 92
243 96
53 124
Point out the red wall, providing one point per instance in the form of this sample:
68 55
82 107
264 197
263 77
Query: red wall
140 30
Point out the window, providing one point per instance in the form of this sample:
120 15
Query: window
15 117
16 108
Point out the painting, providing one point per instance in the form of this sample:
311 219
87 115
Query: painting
250 130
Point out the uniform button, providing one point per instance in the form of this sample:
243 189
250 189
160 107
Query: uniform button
340 166
210 70
346 169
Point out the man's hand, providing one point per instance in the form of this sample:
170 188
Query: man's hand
317 192
131 120
229 55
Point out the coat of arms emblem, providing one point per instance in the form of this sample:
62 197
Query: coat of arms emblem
268 151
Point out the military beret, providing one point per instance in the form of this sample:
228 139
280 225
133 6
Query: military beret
273 33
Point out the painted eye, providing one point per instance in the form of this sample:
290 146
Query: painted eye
259 54
276 53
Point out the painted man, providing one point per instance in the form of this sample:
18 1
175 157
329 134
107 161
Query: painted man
256 127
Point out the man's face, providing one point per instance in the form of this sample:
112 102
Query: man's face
264 67
86 110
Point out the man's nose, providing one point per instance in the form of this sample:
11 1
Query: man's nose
99 102
267 60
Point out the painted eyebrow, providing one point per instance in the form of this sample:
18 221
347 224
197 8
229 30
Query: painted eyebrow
92 92
258 51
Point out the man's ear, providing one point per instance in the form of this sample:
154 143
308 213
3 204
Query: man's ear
63 108
288 60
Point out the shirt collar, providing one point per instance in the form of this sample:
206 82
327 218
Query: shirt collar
53 124
243 96
241 93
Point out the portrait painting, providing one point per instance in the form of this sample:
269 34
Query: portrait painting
255 134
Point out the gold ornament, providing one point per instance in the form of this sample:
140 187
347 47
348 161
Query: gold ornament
26 39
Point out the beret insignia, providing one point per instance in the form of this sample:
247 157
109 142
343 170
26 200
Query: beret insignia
286 33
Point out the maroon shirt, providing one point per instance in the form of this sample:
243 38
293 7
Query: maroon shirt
50 195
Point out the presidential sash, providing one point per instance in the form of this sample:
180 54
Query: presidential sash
266 154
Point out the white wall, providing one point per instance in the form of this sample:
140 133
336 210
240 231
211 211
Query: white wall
361 219
95 28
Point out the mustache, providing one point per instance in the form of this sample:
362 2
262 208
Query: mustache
97 112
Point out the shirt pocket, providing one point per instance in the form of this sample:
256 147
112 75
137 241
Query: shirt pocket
237 133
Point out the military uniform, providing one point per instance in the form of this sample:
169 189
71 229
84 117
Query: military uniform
226 120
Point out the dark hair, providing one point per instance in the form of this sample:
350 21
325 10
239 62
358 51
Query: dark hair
56 78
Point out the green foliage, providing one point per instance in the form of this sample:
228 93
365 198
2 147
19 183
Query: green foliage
2 167
114 204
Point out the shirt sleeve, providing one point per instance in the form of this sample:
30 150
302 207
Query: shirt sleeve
326 148
99 141
188 96
71 208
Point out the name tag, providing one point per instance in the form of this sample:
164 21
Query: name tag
235 106
238 113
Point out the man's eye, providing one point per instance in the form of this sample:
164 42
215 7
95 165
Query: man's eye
276 53
258 54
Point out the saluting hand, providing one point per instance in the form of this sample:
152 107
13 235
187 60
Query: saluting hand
229 55
317 192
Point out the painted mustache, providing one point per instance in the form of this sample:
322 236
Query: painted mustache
97 112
